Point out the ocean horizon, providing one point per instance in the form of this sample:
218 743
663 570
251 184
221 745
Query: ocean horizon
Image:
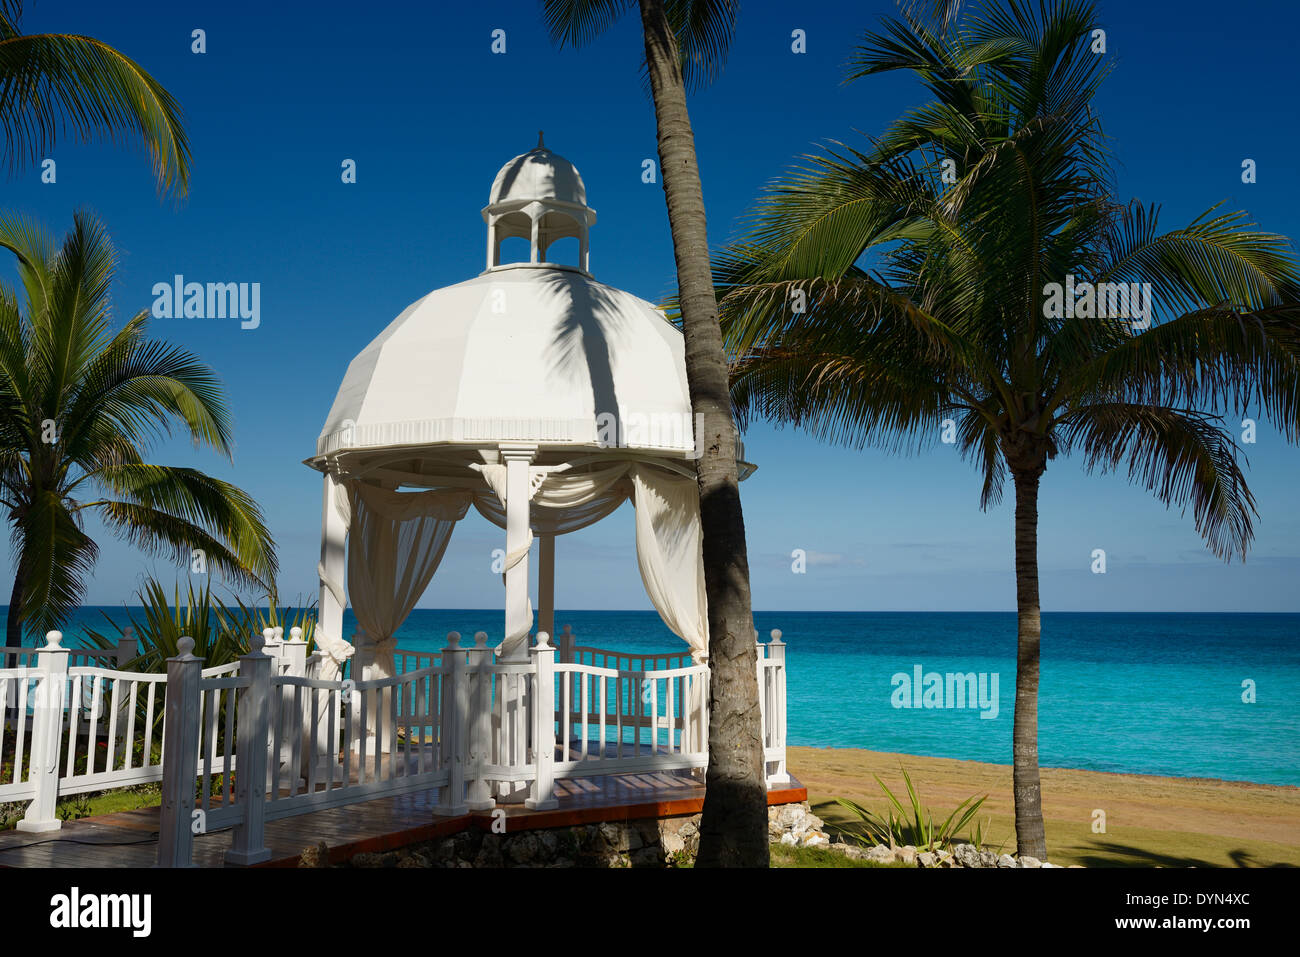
1129 692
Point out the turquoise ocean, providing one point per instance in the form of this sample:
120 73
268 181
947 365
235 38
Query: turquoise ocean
1149 693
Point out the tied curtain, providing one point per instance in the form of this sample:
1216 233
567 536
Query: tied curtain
668 539
395 542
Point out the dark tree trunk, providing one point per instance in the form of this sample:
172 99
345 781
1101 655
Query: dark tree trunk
1030 838
733 826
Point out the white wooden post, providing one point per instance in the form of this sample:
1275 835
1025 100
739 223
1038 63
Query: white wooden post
127 646
453 733
518 621
254 717
47 723
479 796
180 758
776 713
542 797
333 562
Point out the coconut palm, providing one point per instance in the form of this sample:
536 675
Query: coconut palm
686 43
52 84
80 403
922 286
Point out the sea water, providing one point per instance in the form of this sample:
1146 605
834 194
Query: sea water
1193 695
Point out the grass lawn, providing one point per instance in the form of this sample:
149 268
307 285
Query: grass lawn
1150 821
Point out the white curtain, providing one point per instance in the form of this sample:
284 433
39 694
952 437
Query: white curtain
669 553
395 543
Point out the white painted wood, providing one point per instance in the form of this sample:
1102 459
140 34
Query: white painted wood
46 725
180 758
254 708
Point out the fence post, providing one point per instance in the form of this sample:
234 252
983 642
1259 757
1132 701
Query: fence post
127 647
776 713
43 766
180 757
254 725
542 797
479 797
566 645
452 734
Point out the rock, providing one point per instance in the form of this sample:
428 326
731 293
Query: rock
318 856
926 859
489 852
1080 866
445 851
614 836
906 854
944 859
1027 861
853 853
965 855
988 859
673 844
788 838
815 839
1006 860
1045 864
646 857
414 860
367 859
881 855
522 849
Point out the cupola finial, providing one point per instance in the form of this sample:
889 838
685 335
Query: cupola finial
540 144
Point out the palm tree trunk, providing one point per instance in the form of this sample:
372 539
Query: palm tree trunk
14 631
733 825
1030 837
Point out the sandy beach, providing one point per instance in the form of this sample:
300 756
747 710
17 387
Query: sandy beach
1149 820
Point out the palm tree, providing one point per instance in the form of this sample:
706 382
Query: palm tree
57 83
934 272
686 43
79 403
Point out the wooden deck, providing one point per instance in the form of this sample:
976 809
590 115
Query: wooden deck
130 838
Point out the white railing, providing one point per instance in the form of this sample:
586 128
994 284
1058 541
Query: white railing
468 723
66 730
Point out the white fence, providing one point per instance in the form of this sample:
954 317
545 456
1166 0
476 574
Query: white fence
266 738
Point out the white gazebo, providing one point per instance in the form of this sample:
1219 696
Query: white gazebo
533 393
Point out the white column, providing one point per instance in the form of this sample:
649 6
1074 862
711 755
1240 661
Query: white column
333 559
518 619
546 581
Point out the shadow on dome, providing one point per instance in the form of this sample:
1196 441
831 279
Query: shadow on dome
582 340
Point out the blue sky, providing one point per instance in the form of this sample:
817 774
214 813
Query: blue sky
413 94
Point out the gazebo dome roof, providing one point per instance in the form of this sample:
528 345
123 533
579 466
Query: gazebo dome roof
538 174
522 353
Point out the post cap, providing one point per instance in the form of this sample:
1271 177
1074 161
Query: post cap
480 639
255 643
776 637
268 634
184 646
295 634
453 639
543 641
53 638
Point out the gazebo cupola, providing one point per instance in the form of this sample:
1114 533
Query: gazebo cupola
537 196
